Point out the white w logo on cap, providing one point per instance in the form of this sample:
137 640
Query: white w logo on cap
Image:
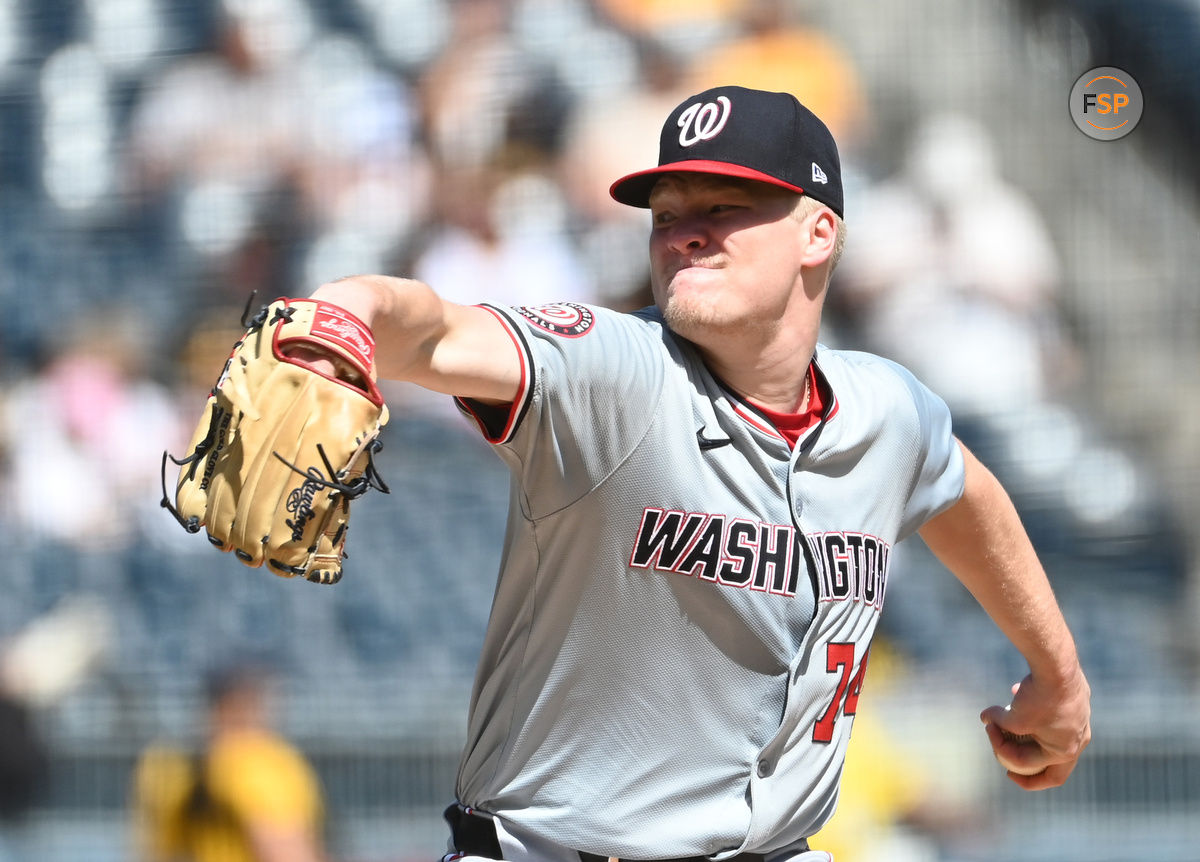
700 122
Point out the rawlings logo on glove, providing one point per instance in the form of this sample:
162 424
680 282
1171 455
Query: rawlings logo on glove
282 448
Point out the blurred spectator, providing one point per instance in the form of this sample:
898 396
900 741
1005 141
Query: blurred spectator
489 113
52 654
226 116
616 134
953 272
213 141
502 238
483 94
691 25
40 664
79 436
245 796
362 177
779 48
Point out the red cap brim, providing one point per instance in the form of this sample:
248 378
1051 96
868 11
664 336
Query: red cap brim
634 189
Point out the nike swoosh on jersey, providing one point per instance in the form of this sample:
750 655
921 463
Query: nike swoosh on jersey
707 443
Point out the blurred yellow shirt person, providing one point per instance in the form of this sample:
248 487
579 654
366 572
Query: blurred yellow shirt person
778 49
249 796
891 806
880 788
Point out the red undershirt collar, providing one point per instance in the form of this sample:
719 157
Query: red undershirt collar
793 425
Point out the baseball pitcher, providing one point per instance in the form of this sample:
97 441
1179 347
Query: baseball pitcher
704 506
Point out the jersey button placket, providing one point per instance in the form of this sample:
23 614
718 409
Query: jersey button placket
764 768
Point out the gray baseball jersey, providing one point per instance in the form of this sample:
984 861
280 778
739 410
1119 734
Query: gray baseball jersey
680 626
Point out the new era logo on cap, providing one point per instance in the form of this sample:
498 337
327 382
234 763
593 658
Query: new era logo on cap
753 134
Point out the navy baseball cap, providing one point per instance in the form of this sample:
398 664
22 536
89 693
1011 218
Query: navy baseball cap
752 134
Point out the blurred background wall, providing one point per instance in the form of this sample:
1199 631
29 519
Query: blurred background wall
162 159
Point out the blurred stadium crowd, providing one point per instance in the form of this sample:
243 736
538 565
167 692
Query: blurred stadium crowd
161 160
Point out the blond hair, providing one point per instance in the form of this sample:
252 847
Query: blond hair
805 207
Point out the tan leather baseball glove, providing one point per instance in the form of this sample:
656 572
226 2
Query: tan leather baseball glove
281 448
